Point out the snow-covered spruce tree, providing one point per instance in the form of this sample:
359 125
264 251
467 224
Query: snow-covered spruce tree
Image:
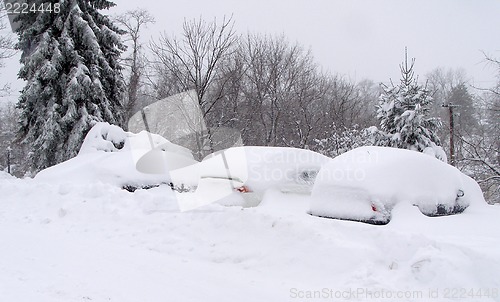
73 78
403 113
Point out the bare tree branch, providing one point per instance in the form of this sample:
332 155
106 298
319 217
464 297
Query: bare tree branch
133 23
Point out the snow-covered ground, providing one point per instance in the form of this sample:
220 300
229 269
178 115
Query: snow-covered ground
77 236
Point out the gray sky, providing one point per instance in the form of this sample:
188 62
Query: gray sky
356 38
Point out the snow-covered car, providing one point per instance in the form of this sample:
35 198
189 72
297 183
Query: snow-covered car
124 159
248 171
366 183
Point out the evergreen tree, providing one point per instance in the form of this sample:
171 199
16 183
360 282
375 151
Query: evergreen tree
466 119
70 63
403 113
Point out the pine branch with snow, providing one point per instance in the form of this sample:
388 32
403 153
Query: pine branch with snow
73 78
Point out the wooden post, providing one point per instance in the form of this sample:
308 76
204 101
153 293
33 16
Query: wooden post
452 135
452 132
8 159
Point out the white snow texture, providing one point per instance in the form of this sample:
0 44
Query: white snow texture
72 234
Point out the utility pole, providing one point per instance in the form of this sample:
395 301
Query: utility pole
450 107
9 149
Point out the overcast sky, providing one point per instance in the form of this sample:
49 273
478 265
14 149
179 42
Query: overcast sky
356 38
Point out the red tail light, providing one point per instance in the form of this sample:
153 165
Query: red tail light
374 208
243 189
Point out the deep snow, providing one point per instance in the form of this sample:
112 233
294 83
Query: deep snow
72 234
96 242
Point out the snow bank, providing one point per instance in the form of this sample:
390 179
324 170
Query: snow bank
92 241
95 242
5 175
369 181
111 155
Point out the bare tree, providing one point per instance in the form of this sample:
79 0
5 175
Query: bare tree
133 22
267 88
479 146
279 83
12 153
481 159
194 61
197 60
496 63
7 47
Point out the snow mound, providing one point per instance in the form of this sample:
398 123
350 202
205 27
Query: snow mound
5 175
367 182
103 137
111 155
